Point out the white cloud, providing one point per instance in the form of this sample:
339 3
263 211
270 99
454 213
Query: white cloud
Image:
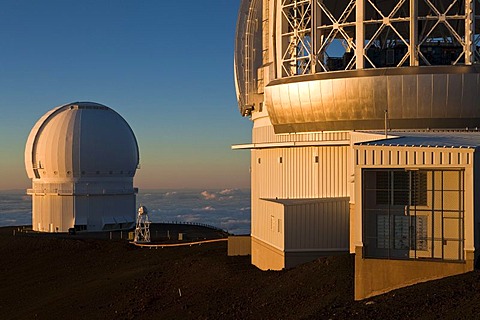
228 191
207 208
208 196
189 217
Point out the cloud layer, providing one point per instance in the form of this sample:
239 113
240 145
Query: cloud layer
228 209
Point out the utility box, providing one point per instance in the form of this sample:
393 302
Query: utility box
239 246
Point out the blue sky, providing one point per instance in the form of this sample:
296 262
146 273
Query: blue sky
165 66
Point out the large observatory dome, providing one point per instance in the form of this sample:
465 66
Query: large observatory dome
82 158
81 139
359 65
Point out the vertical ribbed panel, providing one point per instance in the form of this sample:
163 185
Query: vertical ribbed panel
319 225
378 156
77 125
296 176
265 134
52 213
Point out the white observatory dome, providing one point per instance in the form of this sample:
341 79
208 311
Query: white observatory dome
81 158
81 139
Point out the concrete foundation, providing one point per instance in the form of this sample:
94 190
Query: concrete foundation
267 257
377 276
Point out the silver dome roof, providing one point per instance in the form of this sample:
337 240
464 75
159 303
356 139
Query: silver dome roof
81 140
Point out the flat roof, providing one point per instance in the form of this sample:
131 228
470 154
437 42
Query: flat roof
301 201
439 139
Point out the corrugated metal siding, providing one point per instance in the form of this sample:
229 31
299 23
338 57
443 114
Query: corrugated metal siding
320 225
265 134
51 212
296 176
95 208
374 156
54 211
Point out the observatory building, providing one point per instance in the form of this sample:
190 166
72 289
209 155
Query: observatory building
364 139
82 158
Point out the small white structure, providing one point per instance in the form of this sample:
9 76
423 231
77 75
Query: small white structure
142 230
82 158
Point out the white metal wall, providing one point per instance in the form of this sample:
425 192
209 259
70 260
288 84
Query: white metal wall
269 223
301 172
52 213
294 173
58 213
96 211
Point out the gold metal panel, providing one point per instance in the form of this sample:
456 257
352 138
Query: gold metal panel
269 98
328 97
394 97
469 86
316 100
284 113
306 101
409 96
439 98
454 95
425 89
339 99
415 99
352 100
379 93
295 103
364 96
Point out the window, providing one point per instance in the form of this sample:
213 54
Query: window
413 214
408 186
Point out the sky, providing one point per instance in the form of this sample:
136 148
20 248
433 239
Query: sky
165 66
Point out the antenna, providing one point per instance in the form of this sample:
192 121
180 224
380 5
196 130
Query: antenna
386 123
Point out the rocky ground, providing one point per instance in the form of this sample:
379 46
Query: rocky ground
78 277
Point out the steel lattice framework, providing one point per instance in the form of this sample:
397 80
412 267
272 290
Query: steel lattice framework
297 35
326 35
142 228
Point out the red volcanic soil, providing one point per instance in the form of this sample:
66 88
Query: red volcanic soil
74 277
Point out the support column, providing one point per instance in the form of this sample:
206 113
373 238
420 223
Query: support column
265 43
272 20
413 33
469 31
279 26
360 33
313 33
